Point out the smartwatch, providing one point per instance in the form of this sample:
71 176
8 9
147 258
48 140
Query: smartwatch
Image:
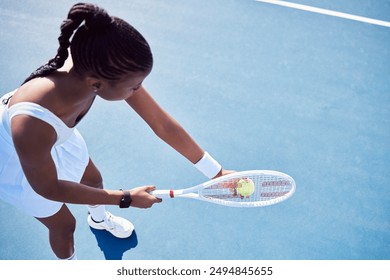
126 199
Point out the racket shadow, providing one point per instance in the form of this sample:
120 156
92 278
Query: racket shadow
113 248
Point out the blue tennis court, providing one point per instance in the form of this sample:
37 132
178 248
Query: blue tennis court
259 86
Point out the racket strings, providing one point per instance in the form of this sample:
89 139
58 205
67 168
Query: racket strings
267 188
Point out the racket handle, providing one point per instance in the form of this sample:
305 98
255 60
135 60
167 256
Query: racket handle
162 193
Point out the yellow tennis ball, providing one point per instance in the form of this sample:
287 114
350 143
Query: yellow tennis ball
245 187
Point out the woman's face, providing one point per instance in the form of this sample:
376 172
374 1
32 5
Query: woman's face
123 88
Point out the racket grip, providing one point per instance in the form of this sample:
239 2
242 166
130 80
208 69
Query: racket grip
162 193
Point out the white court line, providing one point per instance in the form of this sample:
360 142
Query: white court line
326 12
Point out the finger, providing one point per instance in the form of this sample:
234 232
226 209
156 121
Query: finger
150 188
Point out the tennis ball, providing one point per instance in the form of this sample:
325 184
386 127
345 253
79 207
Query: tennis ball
245 187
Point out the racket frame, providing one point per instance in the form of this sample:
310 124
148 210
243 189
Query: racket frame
193 192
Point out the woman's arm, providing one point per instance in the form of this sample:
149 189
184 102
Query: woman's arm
33 140
165 127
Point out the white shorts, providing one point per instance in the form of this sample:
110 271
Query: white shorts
71 159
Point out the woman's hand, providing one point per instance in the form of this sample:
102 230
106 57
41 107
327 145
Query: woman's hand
141 197
224 172
232 184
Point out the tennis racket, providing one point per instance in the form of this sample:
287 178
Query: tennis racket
262 188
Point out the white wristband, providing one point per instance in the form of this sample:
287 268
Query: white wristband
208 166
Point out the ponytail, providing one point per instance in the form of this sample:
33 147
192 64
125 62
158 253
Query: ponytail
67 28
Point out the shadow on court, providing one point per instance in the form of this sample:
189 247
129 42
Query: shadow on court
113 248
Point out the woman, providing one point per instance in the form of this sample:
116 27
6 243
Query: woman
44 162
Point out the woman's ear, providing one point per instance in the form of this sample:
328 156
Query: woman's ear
96 87
94 84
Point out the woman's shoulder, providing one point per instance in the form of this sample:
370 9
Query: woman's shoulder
34 91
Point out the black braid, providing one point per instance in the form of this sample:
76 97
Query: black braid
67 28
104 46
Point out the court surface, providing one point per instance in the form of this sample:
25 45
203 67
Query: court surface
259 86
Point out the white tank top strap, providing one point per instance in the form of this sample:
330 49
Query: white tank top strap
41 113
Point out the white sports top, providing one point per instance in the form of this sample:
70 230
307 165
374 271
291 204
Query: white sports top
37 111
70 156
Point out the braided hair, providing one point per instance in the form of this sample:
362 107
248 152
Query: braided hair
105 46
